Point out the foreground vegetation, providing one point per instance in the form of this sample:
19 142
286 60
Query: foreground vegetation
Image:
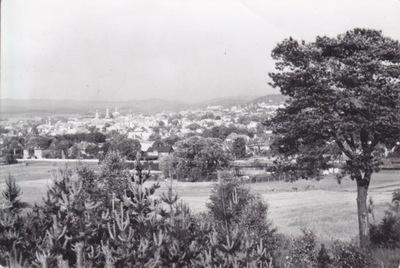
109 219
137 224
325 206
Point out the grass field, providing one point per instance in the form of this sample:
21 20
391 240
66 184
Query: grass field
324 206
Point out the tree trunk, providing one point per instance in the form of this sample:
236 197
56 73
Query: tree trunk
363 222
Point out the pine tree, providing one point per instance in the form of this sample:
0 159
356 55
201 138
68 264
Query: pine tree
12 194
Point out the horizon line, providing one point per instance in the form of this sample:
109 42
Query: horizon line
146 99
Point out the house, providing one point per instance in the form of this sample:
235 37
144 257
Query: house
157 152
35 153
164 150
38 153
26 154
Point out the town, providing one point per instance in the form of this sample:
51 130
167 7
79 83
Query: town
154 135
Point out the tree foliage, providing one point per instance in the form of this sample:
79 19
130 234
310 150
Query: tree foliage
304 252
344 100
10 146
110 218
222 132
239 147
171 140
12 194
193 126
198 158
167 166
232 205
128 148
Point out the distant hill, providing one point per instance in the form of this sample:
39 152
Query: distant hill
46 107
278 98
226 102
232 101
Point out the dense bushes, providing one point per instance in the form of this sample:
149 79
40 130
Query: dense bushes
242 234
304 252
387 233
348 255
234 206
110 219
96 137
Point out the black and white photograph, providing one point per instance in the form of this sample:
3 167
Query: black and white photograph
200 133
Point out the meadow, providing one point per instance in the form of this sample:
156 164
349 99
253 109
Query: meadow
326 207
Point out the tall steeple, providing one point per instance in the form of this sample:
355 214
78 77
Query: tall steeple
107 113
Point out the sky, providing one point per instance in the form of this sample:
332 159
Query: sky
185 50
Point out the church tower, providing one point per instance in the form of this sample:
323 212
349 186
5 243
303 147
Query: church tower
107 113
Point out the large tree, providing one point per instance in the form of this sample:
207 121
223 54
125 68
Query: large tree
239 147
198 158
128 148
344 101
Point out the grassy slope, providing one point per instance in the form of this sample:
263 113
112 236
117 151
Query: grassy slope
325 206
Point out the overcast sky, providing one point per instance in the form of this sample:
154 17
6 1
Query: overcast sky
187 50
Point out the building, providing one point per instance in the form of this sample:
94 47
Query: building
36 154
156 153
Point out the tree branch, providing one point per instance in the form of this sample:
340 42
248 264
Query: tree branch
374 142
348 153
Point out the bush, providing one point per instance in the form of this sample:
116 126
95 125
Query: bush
10 159
303 252
109 219
387 233
348 255
388 258
14 242
241 231
11 195
232 204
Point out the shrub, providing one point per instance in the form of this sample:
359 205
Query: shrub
303 252
241 233
233 204
387 233
349 255
13 235
79 226
10 159
388 258
11 195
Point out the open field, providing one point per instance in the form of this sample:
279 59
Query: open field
33 178
325 206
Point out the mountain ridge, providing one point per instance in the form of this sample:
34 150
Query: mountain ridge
34 107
